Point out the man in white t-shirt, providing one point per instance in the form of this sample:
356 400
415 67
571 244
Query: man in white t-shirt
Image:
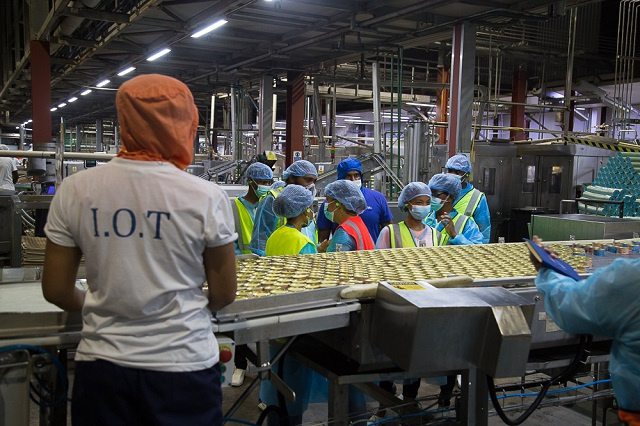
8 173
151 236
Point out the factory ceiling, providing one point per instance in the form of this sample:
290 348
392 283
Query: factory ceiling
93 40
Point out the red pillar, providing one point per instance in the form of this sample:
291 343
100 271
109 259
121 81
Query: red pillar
518 95
295 115
41 92
442 103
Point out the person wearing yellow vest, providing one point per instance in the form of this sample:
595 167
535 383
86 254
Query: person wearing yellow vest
471 201
452 228
266 222
259 178
293 204
415 199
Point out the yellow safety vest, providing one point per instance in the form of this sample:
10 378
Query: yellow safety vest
286 240
400 236
458 224
244 225
468 204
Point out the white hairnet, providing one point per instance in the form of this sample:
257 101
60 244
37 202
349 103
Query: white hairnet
259 171
293 200
459 162
445 182
300 168
411 191
347 193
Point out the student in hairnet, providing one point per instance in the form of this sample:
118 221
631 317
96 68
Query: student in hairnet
301 173
343 206
415 199
295 205
452 228
260 177
471 202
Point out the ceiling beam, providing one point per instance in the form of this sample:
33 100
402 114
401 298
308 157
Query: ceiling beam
96 15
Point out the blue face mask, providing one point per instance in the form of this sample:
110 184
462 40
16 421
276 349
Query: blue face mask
436 204
261 190
420 212
327 213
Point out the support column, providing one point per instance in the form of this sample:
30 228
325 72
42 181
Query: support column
235 141
265 115
99 135
295 115
568 114
40 92
462 72
518 96
78 137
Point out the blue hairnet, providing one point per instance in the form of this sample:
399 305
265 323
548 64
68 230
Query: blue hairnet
411 191
292 201
3 147
459 162
259 171
300 168
278 184
347 165
347 193
445 182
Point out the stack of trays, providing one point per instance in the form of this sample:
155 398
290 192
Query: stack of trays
33 251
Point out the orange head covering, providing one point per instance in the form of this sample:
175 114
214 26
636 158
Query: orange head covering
158 120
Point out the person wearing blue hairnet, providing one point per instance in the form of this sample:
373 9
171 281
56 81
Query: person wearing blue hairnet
471 202
452 228
415 199
344 204
375 217
605 304
301 173
294 204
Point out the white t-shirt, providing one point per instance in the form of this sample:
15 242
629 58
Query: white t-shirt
143 227
7 167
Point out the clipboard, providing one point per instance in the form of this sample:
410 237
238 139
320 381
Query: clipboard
558 265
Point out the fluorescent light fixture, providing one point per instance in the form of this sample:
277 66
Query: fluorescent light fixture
17 127
210 28
103 83
126 71
29 120
347 116
86 92
420 104
581 109
356 121
158 54
72 99
62 105
53 109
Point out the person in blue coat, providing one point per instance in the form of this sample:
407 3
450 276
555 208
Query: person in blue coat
452 227
605 304
471 202
375 217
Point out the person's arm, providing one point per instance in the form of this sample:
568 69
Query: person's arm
483 219
59 277
341 237
220 269
469 235
384 239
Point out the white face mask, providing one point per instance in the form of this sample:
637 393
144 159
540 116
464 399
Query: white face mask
358 182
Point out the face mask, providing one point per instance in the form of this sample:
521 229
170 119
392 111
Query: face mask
358 182
312 188
457 176
261 190
327 213
309 218
420 212
436 204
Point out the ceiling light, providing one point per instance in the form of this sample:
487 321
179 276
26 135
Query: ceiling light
53 109
17 127
420 104
103 83
126 71
73 99
86 92
348 116
61 105
158 54
29 120
210 28
356 121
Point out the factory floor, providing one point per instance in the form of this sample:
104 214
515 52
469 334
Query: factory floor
317 413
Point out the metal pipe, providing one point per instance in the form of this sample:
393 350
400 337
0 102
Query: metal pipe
573 20
234 125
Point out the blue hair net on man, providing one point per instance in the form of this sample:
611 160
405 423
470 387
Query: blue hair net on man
348 194
459 162
278 184
300 168
293 200
259 171
347 165
411 191
446 183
